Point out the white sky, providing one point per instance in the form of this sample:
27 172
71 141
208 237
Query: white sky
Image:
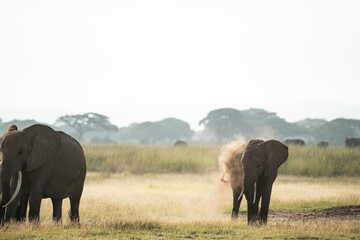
137 61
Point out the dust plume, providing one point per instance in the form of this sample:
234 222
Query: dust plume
229 162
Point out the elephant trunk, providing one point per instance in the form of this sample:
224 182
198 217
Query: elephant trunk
250 190
250 194
5 185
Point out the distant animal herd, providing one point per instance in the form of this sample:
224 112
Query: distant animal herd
349 142
39 162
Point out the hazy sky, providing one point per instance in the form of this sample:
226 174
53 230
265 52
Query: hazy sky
135 61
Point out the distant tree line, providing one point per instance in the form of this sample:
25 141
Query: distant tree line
220 126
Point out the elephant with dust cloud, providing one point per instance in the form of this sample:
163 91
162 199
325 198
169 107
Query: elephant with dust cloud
251 170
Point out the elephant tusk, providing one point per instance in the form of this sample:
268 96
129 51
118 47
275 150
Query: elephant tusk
17 190
254 192
242 192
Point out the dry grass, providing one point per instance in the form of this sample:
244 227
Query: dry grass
173 206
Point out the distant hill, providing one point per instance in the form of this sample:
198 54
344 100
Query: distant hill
220 126
309 123
336 131
21 124
166 131
229 123
226 124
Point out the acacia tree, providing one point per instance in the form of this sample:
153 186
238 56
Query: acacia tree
224 123
87 122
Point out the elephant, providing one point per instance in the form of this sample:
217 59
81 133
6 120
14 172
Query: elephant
352 142
48 163
322 144
299 142
180 143
252 168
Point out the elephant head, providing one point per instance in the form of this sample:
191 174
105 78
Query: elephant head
24 150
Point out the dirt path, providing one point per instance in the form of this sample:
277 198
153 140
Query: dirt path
347 213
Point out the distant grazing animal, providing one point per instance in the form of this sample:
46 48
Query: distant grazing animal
294 142
352 142
322 144
252 169
180 143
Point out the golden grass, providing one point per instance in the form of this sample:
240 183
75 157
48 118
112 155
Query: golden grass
173 206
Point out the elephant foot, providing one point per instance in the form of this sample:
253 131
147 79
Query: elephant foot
57 221
234 216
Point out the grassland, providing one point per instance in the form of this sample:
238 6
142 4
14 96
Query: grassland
177 206
159 192
302 161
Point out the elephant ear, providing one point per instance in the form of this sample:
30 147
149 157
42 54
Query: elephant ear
12 128
45 144
276 154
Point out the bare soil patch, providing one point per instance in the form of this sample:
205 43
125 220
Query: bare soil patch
344 213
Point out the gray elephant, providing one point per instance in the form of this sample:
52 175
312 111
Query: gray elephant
352 142
252 169
322 144
50 163
180 143
299 142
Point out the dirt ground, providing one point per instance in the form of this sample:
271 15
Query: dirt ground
344 213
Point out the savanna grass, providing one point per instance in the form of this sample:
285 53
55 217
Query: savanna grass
153 230
322 162
191 206
140 159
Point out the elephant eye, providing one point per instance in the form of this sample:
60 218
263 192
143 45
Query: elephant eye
20 152
258 166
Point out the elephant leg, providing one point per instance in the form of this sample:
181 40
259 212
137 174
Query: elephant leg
74 209
22 208
265 205
11 211
39 179
251 210
256 207
35 202
57 209
236 203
